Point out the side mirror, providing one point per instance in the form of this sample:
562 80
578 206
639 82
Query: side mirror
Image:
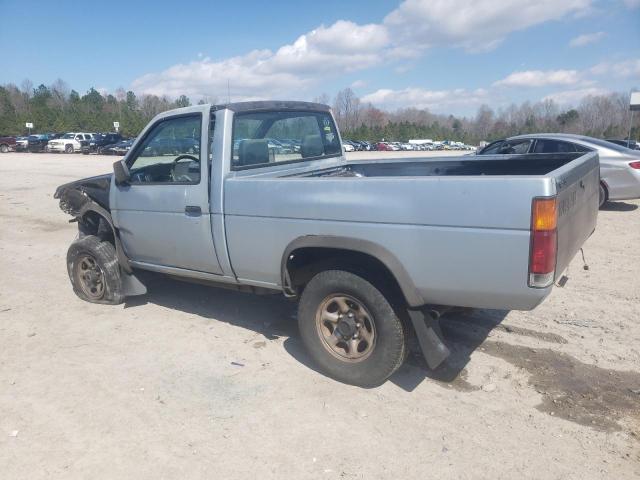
121 172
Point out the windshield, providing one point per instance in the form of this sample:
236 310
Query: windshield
68 135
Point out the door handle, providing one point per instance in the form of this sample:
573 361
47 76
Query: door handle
192 211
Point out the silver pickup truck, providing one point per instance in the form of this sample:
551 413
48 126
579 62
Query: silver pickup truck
258 196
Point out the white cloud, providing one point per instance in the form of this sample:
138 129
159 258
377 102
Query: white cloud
622 69
435 100
345 47
359 84
586 39
539 78
572 97
340 48
476 26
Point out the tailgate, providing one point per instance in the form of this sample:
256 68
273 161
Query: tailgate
577 191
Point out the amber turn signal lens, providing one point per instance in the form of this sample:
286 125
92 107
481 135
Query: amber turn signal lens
545 214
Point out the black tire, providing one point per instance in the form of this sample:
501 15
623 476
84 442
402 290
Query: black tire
4 148
388 350
103 255
68 148
603 195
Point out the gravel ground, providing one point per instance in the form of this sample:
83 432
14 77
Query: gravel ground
196 382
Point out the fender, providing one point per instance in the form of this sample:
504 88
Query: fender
92 206
77 203
389 260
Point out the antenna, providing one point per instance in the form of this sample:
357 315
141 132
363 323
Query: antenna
228 92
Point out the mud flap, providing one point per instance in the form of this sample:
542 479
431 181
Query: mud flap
131 286
429 335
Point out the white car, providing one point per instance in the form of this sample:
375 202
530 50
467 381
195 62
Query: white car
348 147
69 142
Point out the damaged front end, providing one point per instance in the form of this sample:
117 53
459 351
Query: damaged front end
87 201
74 195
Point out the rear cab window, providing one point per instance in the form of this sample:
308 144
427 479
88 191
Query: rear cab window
266 138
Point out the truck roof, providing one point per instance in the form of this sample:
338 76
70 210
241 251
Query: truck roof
263 105
272 105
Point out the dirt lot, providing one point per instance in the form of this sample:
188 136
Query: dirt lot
195 382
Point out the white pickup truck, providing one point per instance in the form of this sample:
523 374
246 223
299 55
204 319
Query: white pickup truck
69 142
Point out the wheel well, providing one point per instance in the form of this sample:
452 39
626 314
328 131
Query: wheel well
304 263
92 223
606 189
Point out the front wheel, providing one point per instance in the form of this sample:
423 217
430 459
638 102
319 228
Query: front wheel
350 329
4 148
94 271
68 149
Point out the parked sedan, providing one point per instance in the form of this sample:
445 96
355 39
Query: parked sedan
632 144
99 140
120 148
619 166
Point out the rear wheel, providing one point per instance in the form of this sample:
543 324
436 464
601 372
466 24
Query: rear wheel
68 148
94 271
4 148
350 329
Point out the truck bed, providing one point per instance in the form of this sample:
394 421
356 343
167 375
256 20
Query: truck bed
459 226
459 166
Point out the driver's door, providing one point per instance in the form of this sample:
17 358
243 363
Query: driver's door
163 212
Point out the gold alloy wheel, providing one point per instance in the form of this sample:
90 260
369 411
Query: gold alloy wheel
90 276
346 328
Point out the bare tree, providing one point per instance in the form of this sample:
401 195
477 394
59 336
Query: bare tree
346 108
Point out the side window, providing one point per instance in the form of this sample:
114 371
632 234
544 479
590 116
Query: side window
493 148
170 152
79 137
553 146
261 138
580 148
516 147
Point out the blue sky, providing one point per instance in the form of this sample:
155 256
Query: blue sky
446 55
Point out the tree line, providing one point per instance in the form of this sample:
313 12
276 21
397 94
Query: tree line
602 116
57 108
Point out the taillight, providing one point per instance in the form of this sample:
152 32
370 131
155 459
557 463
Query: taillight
544 242
635 165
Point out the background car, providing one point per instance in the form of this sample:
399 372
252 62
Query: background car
619 166
69 142
120 148
632 144
39 142
99 140
22 143
7 144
